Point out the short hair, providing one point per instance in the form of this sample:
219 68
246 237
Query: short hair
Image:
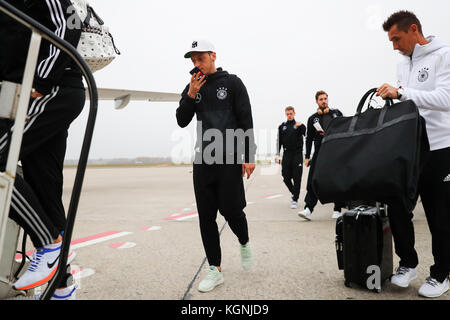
319 93
404 20
290 108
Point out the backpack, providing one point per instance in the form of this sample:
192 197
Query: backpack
96 43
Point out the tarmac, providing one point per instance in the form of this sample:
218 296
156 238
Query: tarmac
137 238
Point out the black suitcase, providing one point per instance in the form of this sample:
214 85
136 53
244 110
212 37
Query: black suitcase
366 254
339 242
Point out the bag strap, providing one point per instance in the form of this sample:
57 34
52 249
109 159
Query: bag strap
91 13
370 93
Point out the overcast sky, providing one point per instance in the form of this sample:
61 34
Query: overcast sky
284 51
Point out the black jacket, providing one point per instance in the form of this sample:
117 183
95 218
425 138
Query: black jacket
53 66
290 137
222 104
312 135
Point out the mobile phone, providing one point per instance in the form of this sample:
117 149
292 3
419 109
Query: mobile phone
198 72
318 127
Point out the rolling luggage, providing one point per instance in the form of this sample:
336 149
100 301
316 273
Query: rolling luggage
364 246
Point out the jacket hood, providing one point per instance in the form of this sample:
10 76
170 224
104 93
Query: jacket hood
218 74
422 50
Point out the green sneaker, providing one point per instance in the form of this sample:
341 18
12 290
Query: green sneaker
246 256
212 280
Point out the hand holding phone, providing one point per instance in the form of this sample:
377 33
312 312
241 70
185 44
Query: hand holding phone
319 128
198 79
199 74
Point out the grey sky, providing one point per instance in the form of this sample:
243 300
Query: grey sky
284 51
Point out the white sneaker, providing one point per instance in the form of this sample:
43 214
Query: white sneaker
44 262
68 293
294 204
433 288
305 214
404 276
336 214
212 280
246 256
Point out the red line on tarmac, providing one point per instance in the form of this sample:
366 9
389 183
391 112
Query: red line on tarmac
117 245
94 237
78 241
270 195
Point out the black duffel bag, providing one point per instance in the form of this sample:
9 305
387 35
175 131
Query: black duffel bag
372 156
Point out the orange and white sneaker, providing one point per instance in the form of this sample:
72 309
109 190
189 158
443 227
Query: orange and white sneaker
44 262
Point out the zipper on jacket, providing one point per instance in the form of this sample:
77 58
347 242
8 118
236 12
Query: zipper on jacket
410 71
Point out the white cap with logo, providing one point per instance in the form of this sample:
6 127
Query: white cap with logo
200 46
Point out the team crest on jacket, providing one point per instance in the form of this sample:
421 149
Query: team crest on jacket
222 93
423 75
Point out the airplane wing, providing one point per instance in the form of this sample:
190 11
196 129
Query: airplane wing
122 97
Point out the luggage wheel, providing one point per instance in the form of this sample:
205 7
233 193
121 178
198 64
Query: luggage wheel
377 290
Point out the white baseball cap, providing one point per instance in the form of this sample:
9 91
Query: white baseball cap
200 46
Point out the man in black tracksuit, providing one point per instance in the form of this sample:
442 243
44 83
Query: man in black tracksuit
290 138
316 127
222 106
58 99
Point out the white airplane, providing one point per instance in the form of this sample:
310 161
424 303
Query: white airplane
122 97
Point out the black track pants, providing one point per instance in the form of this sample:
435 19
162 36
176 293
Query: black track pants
219 187
311 198
434 190
291 170
36 203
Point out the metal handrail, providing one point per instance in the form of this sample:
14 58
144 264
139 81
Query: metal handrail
93 94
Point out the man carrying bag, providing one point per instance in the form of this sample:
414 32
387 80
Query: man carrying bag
424 77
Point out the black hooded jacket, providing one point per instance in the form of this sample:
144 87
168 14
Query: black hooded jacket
221 104
290 137
53 66
312 135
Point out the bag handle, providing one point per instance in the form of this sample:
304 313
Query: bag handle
371 93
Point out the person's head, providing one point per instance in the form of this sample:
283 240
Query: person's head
322 99
290 113
203 56
404 31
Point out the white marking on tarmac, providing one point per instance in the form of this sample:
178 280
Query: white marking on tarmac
151 228
272 196
183 216
122 245
89 241
186 217
80 273
86 241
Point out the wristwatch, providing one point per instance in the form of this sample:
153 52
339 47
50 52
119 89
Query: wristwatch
400 93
